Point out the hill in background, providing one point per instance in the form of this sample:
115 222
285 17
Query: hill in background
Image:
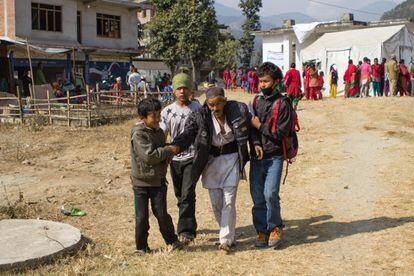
403 10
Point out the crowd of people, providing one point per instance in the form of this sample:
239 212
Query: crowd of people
245 79
362 80
213 141
390 78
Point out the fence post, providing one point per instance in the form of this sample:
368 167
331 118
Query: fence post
98 98
135 94
49 108
68 103
19 98
88 105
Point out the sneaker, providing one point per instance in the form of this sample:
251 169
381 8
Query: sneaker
262 240
225 247
186 238
141 252
177 245
275 236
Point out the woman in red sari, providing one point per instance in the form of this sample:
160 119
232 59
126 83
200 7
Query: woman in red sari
403 79
253 81
351 81
292 81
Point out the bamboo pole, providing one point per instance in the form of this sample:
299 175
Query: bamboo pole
135 94
32 91
73 66
49 112
19 98
98 98
88 105
68 101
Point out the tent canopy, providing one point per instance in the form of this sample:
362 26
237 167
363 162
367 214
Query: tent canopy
354 39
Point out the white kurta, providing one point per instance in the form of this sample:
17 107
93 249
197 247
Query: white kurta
221 177
221 171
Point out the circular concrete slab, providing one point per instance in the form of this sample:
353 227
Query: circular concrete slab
31 242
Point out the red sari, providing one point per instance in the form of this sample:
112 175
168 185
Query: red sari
227 78
253 82
403 80
293 83
351 81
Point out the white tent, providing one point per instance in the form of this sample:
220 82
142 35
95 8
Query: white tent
337 48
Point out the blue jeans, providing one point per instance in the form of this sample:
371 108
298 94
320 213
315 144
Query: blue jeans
265 176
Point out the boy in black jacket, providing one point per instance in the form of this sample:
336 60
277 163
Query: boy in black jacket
266 167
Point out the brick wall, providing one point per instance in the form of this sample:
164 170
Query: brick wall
10 18
1 17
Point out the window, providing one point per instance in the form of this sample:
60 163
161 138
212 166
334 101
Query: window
79 26
46 17
144 13
108 25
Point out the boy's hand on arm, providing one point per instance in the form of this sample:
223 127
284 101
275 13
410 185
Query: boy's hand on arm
259 151
255 122
174 149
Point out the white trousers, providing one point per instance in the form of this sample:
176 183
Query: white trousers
223 202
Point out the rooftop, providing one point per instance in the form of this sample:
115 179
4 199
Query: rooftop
345 23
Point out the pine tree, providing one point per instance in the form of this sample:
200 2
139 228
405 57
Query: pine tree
250 9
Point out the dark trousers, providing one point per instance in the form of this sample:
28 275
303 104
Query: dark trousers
184 189
158 196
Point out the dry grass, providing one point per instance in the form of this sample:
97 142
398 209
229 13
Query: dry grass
343 215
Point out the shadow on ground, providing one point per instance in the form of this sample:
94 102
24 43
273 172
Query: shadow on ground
307 231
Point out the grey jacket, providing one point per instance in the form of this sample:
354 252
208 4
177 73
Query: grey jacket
148 156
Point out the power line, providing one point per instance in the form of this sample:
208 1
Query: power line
342 7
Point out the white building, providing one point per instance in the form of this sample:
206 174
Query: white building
284 45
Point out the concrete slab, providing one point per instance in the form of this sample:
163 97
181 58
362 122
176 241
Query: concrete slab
31 242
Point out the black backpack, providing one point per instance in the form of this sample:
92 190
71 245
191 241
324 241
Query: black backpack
290 144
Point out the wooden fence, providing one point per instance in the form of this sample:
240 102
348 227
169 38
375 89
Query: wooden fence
91 109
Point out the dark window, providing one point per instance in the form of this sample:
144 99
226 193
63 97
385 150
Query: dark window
46 17
79 26
108 25
144 13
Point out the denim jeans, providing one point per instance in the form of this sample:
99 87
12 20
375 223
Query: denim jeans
265 176
158 198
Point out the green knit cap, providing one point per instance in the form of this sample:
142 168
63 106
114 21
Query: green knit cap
182 80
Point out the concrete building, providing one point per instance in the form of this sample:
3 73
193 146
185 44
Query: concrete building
91 36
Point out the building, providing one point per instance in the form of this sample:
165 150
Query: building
92 38
285 45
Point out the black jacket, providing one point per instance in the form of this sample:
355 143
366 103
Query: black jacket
199 129
271 142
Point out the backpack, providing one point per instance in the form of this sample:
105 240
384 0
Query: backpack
290 144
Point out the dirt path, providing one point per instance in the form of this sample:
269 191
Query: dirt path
348 202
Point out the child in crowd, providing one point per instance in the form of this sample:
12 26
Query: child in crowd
173 118
320 87
149 156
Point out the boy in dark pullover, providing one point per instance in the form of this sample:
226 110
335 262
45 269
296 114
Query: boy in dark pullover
149 156
266 167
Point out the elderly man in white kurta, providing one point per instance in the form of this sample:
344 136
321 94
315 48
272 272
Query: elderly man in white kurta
221 177
220 132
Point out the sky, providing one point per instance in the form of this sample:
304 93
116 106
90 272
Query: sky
315 10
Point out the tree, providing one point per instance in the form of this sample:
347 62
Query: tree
184 29
163 34
198 35
227 54
250 9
